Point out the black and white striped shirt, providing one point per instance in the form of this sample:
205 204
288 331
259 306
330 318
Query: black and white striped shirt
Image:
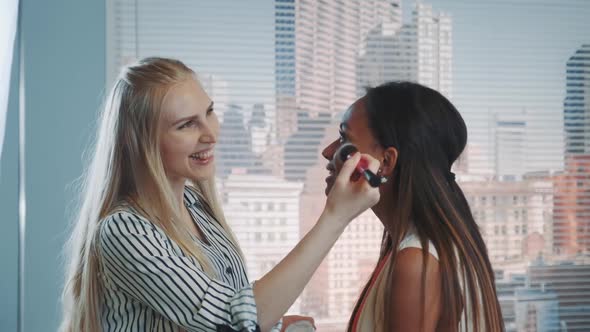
149 284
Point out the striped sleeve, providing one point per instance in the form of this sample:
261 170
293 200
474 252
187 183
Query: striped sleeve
137 260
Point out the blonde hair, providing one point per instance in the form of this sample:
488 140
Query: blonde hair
126 167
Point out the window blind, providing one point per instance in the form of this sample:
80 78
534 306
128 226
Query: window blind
282 72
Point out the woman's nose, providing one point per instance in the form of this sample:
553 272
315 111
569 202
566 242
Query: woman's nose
328 152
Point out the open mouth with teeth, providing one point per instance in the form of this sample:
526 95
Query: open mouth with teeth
202 157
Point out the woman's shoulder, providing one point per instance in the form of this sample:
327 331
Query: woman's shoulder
412 240
126 220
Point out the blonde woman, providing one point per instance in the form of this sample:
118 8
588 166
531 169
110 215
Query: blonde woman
149 252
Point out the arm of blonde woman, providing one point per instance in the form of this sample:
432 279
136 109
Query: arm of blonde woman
276 291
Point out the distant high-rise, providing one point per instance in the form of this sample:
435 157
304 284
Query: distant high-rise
577 102
510 145
420 51
570 281
571 222
302 148
327 39
263 211
285 67
512 216
506 286
260 129
572 200
235 143
536 310
351 262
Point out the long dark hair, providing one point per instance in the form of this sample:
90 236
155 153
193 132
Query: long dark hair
430 135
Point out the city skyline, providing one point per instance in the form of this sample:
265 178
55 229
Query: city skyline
283 82
483 51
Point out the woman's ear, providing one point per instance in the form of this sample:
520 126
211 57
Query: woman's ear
389 161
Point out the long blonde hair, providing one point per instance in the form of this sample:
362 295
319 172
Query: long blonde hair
126 167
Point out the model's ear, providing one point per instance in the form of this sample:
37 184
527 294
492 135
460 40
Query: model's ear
389 161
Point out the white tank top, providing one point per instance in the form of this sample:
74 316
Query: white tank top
370 318
411 240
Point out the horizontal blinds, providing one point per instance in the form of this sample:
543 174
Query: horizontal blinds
282 72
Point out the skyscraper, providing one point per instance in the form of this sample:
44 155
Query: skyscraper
510 145
419 51
577 102
285 67
327 36
572 202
